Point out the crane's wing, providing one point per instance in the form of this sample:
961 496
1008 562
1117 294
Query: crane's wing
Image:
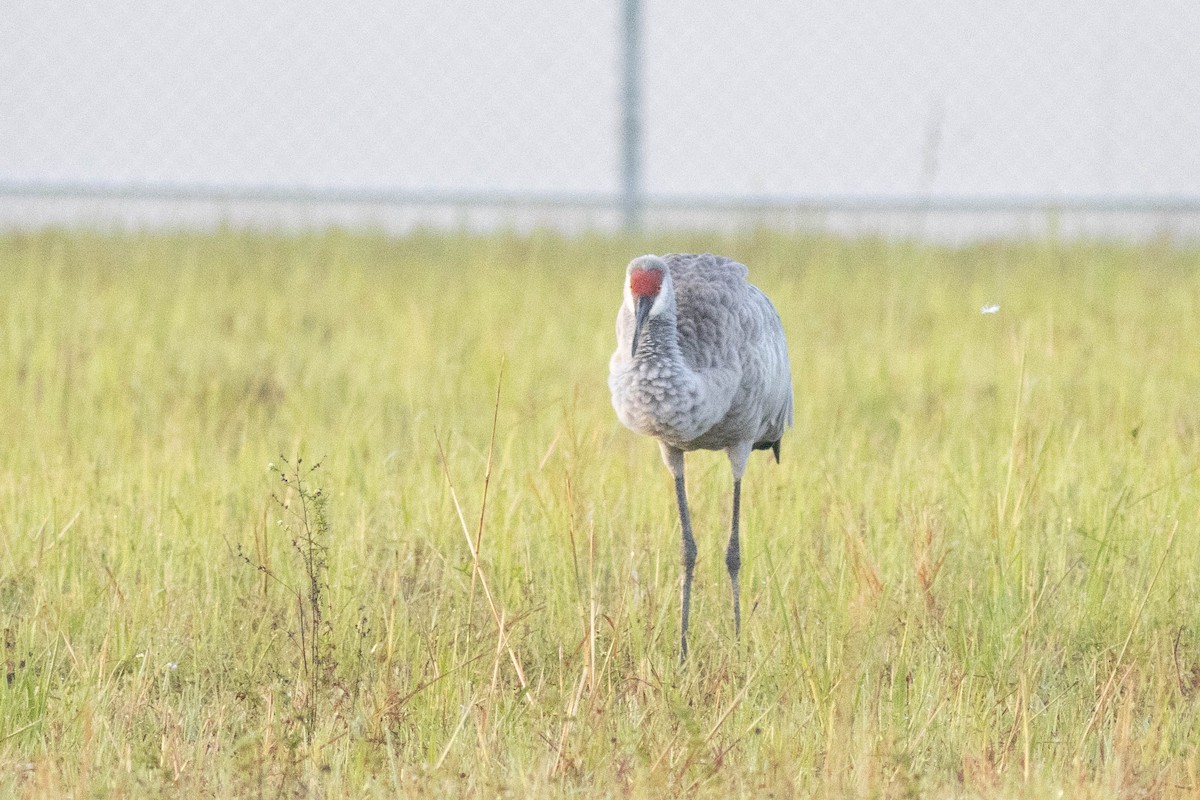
708 292
729 326
767 371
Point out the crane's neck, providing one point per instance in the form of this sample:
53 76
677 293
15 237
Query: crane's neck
660 342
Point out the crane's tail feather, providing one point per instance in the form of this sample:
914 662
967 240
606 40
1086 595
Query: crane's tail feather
772 446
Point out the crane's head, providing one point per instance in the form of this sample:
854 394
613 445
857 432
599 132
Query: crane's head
647 291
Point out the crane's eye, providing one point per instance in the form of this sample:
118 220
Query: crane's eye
645 282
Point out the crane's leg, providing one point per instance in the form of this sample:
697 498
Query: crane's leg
738 456
689 561
674 461
733 559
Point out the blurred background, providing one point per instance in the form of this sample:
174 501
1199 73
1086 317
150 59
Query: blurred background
929 119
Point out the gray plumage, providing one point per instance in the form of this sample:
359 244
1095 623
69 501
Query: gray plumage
701 364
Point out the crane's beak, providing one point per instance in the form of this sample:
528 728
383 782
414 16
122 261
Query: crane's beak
643 311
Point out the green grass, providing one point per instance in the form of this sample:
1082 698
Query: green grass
974 573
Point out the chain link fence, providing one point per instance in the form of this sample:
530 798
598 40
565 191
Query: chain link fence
591 113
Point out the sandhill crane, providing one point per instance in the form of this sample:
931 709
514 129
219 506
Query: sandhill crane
701 364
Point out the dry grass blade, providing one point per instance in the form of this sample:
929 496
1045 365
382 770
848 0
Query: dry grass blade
1102 701
477 570
466 712
729 709
572 711
487 480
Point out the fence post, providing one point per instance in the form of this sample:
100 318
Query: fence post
631 117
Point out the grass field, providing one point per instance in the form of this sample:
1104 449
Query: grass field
974 573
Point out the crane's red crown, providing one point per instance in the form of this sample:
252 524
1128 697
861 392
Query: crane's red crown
645 282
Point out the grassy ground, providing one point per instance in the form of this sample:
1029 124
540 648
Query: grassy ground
974 573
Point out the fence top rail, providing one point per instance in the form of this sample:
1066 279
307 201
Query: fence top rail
831 203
